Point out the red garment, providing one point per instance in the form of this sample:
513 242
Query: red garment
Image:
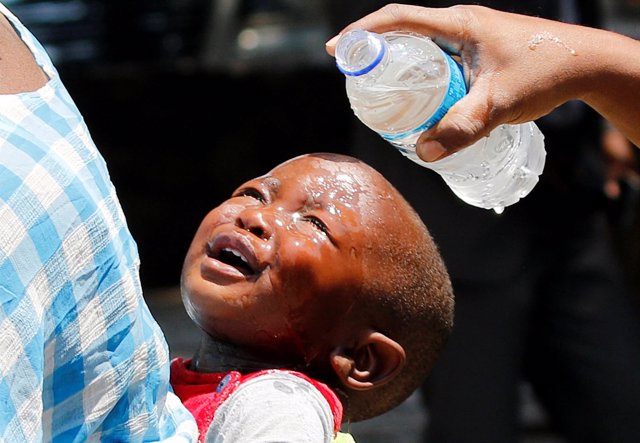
203 392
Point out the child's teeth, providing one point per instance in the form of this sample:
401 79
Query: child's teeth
237 254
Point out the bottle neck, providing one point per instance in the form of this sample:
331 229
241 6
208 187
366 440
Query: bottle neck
358 52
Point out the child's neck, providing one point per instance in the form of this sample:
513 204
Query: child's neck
217 356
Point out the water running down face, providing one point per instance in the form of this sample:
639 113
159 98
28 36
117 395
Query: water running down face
276 267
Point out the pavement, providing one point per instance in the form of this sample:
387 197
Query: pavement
403 424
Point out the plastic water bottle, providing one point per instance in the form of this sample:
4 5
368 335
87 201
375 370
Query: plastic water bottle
401 84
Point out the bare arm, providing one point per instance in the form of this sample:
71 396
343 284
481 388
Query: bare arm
18 69
519 68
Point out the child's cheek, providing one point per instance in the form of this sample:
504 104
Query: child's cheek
227 213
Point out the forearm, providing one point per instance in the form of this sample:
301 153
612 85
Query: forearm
612 83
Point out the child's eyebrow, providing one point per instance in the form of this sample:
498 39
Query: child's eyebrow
271 183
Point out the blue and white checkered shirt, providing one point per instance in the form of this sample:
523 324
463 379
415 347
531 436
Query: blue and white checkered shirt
81 357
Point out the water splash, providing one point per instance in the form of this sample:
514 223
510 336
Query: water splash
542 37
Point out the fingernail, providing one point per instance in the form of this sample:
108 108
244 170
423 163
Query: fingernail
331 43
430 150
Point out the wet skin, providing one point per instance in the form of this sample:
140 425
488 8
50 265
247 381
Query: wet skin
277 267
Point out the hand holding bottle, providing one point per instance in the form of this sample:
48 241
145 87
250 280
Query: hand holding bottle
400 84
518 68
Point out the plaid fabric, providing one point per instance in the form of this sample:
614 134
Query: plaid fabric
81 357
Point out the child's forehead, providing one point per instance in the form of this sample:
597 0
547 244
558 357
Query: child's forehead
350 176
349 189
348 182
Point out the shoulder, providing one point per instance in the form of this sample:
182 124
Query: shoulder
275 405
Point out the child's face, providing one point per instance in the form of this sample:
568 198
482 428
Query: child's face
277 266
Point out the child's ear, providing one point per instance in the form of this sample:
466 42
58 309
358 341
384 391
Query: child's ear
374 360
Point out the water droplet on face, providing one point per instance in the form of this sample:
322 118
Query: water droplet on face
333 210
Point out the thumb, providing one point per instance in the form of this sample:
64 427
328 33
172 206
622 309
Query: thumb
464 124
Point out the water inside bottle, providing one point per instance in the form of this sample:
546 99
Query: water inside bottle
398 112
408 85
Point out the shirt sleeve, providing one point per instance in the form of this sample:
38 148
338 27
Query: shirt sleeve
275 407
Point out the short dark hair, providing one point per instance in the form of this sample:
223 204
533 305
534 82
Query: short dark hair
412 303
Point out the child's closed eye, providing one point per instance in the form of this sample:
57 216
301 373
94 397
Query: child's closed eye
250 192
319 224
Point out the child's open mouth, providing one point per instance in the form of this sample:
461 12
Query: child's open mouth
234 258
232 254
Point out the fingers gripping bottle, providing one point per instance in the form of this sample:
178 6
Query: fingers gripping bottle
401 84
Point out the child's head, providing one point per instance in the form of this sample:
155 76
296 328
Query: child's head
323 267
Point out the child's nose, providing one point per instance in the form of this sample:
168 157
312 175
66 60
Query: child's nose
255 221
